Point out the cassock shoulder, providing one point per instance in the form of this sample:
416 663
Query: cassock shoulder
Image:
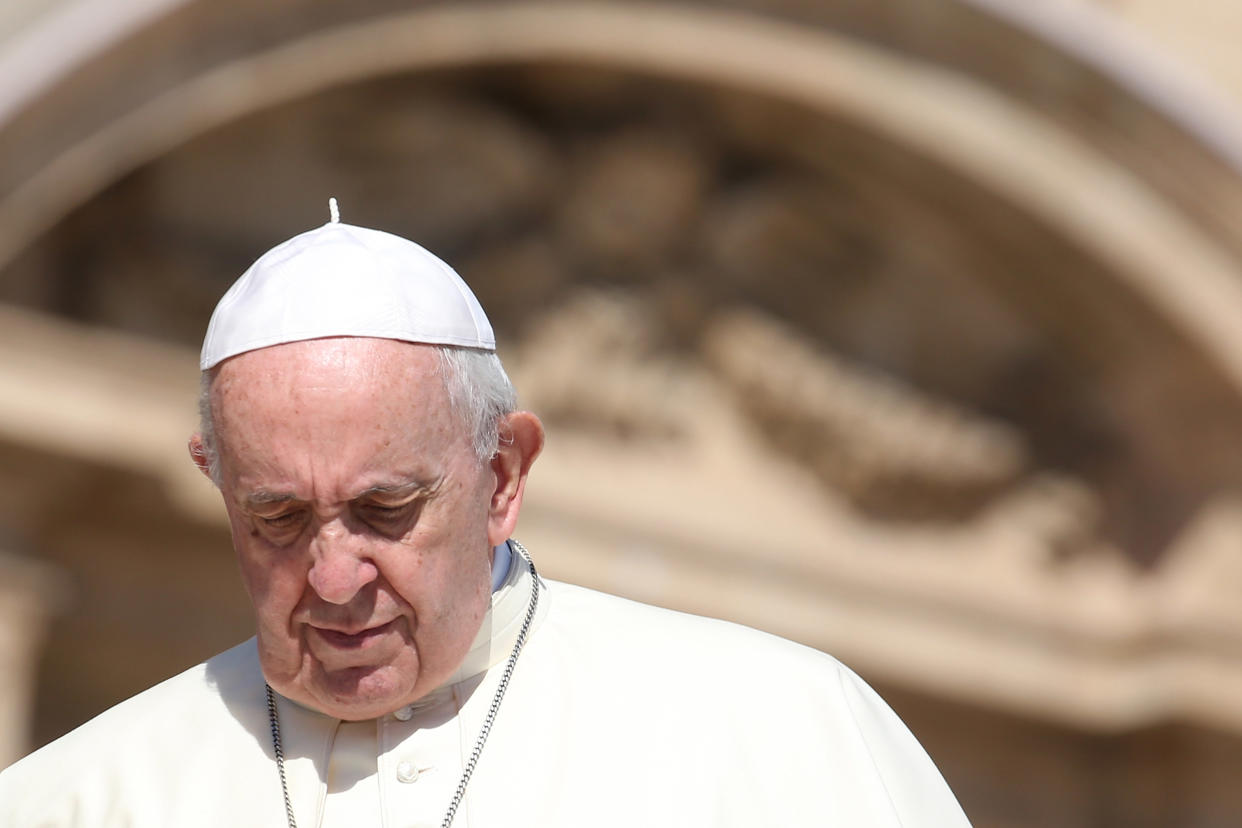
765 724
131 763
739 659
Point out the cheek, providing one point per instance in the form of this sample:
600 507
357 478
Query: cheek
438 585
275 586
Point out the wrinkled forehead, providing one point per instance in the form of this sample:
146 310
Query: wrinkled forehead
346 377
351 359
335 414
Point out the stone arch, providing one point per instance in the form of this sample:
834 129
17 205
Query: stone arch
1076 216
1000 138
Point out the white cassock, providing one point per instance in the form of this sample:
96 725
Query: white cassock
618 714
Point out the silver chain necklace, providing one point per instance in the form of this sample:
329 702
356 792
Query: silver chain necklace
477 751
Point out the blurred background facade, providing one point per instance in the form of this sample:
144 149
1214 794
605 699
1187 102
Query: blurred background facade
908 329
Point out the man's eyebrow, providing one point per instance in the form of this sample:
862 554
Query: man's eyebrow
412 487
264 498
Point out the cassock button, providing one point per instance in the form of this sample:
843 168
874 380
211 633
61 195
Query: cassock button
404 714
407 772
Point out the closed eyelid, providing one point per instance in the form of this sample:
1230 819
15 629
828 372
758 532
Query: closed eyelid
268 505
269 501
275 510
390 510
280 522
395 496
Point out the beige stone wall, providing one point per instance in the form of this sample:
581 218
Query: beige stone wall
901 329
30 594
1195 37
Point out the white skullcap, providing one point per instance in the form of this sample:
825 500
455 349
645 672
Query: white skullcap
342 280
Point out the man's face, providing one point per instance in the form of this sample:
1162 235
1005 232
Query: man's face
360 516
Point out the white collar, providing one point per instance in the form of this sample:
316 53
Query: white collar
502 557
501 623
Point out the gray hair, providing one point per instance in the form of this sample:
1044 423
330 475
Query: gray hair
478 388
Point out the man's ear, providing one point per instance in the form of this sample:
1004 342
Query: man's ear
521 440
198 453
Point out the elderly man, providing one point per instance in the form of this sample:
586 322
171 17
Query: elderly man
410 666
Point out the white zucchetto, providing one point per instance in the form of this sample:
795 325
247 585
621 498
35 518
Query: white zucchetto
343 280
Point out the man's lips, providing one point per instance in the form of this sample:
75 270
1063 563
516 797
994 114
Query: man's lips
352 641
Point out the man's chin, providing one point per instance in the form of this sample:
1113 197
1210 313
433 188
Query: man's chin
356 693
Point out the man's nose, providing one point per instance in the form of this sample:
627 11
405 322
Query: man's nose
340 565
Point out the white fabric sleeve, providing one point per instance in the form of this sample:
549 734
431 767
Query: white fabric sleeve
920 797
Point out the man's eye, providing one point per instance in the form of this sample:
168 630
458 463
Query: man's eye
385 517
281 521
374 510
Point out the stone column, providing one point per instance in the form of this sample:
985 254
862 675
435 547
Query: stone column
30 593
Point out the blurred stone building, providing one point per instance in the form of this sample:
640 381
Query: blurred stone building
908 329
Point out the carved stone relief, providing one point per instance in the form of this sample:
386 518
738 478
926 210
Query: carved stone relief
917 344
